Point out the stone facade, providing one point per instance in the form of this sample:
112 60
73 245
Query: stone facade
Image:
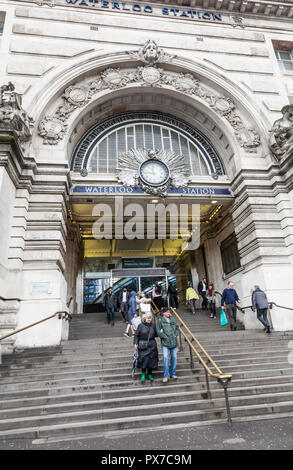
67 65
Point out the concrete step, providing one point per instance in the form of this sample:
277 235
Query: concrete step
67 429
111 376
84 387
22 373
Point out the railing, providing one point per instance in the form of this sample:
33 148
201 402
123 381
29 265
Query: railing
222 378
242 309
62 315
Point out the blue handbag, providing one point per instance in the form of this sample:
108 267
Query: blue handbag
223 318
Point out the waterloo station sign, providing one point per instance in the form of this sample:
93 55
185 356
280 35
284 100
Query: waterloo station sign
148 9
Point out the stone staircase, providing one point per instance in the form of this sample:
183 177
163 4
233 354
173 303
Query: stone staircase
84 387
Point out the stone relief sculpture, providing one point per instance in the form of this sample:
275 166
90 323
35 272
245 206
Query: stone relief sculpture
12 115
281 141
149 75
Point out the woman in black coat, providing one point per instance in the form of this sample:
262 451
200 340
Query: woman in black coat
145 343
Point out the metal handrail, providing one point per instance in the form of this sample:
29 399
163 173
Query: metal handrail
250 306
223 379
270 306
66 316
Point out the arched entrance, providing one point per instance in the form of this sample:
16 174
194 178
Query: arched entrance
225 137
112 153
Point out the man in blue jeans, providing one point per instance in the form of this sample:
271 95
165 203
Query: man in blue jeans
229 299
168 331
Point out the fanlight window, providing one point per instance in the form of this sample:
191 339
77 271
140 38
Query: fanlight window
104 155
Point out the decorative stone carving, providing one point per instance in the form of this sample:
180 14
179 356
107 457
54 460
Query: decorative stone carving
129 164
52 130
114 78
152 75
186 83
12 114
248 139
151 54
77 96
281 141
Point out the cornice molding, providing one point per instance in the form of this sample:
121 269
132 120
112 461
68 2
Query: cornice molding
263 8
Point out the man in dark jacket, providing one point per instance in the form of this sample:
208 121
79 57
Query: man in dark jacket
202 290
168 330
229 298
173 295
110 302
260 304
124 301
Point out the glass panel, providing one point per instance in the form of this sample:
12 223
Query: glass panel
121 140
185 151
285 55
288 65
112 157
196 169
167 144
139 136
157 138
204 167
103 157
175 143
148 136
93 161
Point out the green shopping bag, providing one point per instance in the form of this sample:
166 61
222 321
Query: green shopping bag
223 318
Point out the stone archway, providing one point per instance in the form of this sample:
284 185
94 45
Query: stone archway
65 106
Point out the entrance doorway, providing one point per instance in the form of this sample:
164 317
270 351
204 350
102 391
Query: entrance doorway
139 280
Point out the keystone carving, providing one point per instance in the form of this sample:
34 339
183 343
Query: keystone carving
151 54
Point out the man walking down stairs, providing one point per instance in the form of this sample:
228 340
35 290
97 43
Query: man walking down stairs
82 392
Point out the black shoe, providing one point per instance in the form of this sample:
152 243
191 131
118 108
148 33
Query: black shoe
113 323
268 331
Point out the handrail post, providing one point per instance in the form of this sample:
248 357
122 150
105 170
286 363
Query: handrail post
225 387
180 342
208 385
191 357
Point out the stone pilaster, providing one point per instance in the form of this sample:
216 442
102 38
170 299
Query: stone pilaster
263 250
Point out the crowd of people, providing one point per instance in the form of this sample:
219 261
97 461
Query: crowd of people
137 313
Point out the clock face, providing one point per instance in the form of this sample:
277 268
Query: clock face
154 172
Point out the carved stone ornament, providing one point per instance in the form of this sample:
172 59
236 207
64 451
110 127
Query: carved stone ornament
77 96
153 76
129 164
12 114
52 130
281 140
151 54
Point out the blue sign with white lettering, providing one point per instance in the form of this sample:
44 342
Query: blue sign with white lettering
118 190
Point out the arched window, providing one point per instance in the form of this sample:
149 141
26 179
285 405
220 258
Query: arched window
99 149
